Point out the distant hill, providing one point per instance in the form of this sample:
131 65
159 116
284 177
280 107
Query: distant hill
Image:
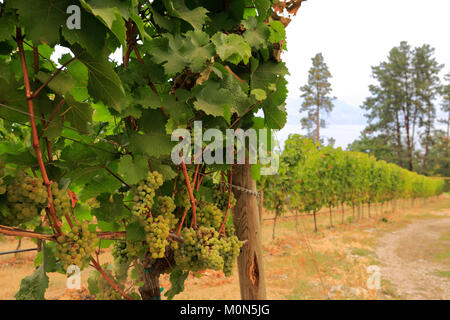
344 123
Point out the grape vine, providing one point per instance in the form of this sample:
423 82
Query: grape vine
89 139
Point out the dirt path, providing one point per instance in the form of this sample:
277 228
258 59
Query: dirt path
407 259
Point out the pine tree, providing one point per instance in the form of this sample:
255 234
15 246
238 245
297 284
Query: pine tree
427 84
401 103
316 97
445 93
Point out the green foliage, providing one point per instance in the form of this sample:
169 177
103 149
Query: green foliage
312 176
316 97
402 117
33 287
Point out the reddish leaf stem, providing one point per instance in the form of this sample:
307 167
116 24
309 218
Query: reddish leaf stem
181 222
108 279
191 194
36 145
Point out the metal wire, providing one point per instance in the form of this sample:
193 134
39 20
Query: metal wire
18 251
252 192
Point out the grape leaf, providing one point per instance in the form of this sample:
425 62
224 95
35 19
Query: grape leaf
146 98
43 19
177 52
154 145
263 7
7 26
256 33
111 207
102 183
232 48
275 116
60 84
195 17
212 99
94 40
177 279
135 232
133 170
33 287
104 84
112 13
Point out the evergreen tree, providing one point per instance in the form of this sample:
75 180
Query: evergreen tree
402 102
445 93
426 84
316 97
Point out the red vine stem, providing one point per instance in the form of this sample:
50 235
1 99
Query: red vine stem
191 194
69 221
97 266
201 176
195 176
230 181
36 145
10 231
181 222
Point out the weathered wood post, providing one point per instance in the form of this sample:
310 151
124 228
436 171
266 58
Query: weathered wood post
247 223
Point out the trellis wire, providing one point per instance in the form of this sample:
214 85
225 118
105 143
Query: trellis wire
18 251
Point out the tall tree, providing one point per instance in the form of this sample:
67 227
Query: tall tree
316 97
402 102
445 93
427 85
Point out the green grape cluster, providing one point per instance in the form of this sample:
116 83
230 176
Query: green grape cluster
144 193
2 173
157 229
182 198
125 251
103 290
27 189
76 247
61 201
136 249
93 203
231 246
200 250
120 252
221 199
209 215
26 197
165 205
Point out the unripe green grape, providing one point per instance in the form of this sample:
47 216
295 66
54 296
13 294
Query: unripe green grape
75 248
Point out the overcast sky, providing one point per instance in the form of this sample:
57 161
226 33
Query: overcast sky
354 35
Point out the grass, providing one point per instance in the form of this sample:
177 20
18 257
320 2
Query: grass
445 236
362 252
445 274
441 256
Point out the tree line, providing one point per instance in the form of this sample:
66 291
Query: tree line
402 109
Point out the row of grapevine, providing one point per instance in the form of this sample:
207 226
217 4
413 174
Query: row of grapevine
312 177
